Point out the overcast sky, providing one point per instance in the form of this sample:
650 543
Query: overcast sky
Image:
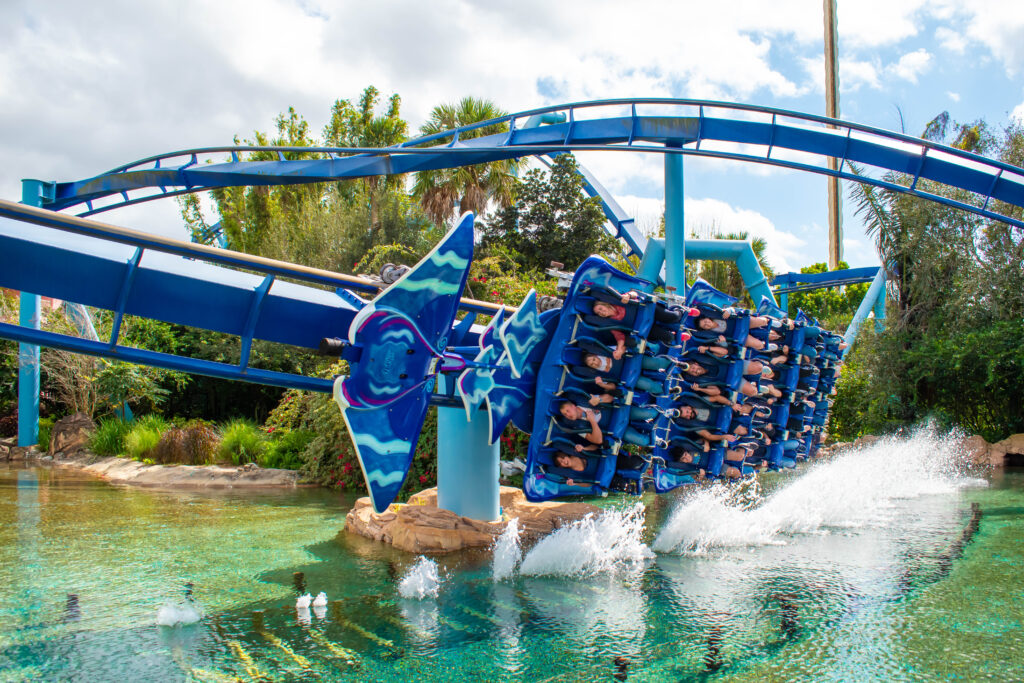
87 86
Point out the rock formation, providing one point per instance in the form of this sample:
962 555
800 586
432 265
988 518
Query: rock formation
421 527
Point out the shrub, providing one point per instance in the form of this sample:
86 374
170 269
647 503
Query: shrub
9 425
108 439
241 442
284 450
142 439
45 427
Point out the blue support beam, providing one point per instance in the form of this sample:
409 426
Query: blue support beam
875 294
799 282
467 465
743 255
33 193
675 225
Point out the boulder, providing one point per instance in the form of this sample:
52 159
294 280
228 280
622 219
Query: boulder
977 449
71 434
866 440
1010 446
421 527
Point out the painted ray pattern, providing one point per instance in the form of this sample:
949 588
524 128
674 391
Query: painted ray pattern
476 382
402 335
521 333
504 378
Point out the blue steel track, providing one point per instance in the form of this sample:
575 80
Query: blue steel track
95 269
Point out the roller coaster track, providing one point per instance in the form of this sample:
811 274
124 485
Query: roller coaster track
720 130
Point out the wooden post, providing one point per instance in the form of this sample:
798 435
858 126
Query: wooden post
835 199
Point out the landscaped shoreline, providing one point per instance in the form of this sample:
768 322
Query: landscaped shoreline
132 472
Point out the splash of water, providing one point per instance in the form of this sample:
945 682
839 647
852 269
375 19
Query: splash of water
597 543
507 552
853 490
179 614
421 580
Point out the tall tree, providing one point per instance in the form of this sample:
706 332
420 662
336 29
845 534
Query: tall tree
551 220
470 187
360 126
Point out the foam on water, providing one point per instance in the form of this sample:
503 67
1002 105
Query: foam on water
856 489
421 580
606 542
507 552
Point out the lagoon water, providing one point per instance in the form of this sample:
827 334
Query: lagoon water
847 570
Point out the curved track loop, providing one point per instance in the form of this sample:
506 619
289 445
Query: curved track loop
665 126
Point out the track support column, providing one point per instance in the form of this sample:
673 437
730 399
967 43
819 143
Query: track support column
675 228
467 466
653 260
33 193
879 308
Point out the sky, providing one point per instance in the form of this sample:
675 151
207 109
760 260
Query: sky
85 87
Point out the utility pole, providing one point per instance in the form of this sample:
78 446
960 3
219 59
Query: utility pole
835 199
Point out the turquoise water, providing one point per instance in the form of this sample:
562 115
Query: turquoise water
845 571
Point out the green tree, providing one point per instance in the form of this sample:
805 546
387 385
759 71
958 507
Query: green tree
833 306
552 220
324 225
469 187
951 349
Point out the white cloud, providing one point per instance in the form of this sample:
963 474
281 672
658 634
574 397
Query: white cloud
1018 113
954 41
996 24
911 65
953 96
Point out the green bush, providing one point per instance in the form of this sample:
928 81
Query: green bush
192 444
284 449
241 442
143 438
45 427
108 439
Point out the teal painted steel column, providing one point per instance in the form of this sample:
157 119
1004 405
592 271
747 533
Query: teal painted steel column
867 304
33 193
653 260
784 302
467 466
675 229
880 309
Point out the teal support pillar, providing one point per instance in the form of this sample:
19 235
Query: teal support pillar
870 302
675 228
742 254
880 310
33 193
784 302
653 260
467 466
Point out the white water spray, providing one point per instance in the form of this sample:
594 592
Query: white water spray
421 580
507 552
597 543
854 490
180 614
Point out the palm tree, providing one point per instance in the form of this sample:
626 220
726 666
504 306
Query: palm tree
361 126
471 187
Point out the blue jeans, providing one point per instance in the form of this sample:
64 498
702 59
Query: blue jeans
651 386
